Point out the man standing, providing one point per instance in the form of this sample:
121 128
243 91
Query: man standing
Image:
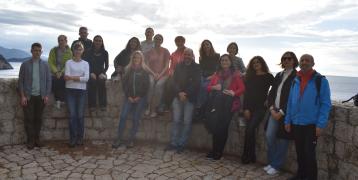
34 87
307 114
87 43
148 43
187 78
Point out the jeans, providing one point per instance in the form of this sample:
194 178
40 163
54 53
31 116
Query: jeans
33 118
182 117
250 134
76 99
97 89
276 147
156 92
137 110
58 88
305 142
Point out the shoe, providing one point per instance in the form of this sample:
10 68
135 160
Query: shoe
179 149
153 115
79 142
116 143
170 147
210 155
272 171
217 156
266 168
38 144
147 112
30 145
247 160
71 145
58 104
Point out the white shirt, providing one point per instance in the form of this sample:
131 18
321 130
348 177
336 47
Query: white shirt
77 68
286 73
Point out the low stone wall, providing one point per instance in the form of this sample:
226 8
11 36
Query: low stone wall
337 150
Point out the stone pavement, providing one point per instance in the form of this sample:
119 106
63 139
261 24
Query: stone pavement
97 160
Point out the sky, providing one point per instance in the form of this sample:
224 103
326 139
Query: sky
326 29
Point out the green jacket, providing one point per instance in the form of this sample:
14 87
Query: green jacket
52 59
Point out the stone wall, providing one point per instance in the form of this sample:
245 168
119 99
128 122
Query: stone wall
337 150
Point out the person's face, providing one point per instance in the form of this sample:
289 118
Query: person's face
188 56
180 43
287 61
97 42
225 62
78 52
62 41
36 52
232 49
137 59
206 46
133 44
83 33
149 33
256 65
306 63
158 40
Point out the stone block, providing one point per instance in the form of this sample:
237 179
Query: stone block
341 113
344 132
62 123
6 126
339 151
355 137
48 123
5 139
353 117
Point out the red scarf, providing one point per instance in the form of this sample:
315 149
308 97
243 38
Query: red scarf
305 77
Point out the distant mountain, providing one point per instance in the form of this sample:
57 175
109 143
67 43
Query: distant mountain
13 53
4 64
18 59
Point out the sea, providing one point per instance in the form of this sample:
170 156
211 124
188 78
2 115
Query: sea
342 87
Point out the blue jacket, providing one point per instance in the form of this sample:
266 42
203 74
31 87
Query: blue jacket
311 107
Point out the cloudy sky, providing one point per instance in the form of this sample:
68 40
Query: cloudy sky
327 29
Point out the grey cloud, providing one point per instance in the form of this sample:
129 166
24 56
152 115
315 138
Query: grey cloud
56 20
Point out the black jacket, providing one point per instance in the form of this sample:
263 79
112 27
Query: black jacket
97 64
187 79
135 83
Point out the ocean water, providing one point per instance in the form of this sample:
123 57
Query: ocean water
342 87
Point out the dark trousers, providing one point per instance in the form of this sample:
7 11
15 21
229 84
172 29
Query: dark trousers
305 142
97 88
33 118
222 103
168 94
250 134
58 88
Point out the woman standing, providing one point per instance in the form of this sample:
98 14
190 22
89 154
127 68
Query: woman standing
257 82
238 64
57 59
135 86
76 77
97 57
157 59
225 88
122 59
276 137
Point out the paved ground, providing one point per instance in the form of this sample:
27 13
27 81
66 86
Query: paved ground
97 160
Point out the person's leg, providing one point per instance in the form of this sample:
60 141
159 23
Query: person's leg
298 135
92 93
81 100
271 139
150 95
137 116
188 109
280 153
29 123
38 111
310 152
72 109
102 92
127 106
158 93
55 87
61 89
177 113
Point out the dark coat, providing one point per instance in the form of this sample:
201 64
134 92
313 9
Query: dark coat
187 79
135 83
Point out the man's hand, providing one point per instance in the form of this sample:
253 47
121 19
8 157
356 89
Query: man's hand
182 96
276 115
288 127
23 101
45 99
318 131
247 114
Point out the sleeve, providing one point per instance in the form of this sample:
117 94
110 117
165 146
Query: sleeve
125 84
273 91
239 86
67 68
105 63
176 75
242 67
288 109
146 82
52 61
21 80
48 80
247 97
213 82
85 77
325 103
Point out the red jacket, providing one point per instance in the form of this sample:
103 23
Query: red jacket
236 85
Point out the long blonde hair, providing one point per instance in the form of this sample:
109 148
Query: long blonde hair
130 64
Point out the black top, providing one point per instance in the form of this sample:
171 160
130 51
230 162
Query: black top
256 91
135 83
122 59
98 62
209 64
187 79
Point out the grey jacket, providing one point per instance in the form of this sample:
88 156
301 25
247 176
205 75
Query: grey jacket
25 78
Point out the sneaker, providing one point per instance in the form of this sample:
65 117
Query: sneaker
153 115
217 156
210 155
58 104
116 143
266 168
30 145
147 112
272 171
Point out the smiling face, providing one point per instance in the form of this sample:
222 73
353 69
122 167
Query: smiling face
232 50
36 52
225 62
83 33
137 59
306 62
149 33
62 41
158 40
287 61
256 64
206 46
97 42
133 44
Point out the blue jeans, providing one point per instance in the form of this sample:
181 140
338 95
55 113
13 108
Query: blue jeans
137 110
276 147
181 127
76 99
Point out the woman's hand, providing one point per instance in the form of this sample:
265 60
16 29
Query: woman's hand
276 115
216 87
229 92
247 114
93 76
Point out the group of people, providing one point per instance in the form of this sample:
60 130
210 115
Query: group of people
153 80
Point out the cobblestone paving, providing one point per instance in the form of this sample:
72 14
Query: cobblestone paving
97 160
